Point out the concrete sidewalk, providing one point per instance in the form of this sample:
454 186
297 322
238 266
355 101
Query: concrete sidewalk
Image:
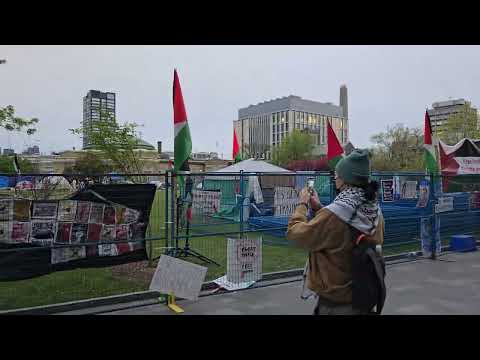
450 286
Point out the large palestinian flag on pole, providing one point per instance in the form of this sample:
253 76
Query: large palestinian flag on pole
236 149
334 148
183 141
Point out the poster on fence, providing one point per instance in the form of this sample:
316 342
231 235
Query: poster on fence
285 200
408 190
244 260
444 204
426 236
62 255
424 194
205 202
6 210
178 277
474 200
387 190
5 232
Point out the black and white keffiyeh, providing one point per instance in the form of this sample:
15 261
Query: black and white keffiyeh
353 208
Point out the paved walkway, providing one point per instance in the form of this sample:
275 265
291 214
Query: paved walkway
450 285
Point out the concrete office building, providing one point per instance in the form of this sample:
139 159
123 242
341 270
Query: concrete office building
263 126
96 104
441 110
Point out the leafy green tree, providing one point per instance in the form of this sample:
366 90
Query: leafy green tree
117 142
6 165
400 148
89 164
296 146
10 122
464 124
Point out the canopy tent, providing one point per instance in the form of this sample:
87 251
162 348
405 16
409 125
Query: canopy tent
462 158
229 185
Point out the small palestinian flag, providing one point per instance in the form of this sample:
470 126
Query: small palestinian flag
334 148
236 149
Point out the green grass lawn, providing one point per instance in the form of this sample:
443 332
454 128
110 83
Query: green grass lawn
63 286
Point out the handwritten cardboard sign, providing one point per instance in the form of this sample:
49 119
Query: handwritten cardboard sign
244 261
285 199
444 204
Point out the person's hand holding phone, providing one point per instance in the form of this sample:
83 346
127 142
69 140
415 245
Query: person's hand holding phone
315 201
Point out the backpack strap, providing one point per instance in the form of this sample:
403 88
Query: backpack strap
380 275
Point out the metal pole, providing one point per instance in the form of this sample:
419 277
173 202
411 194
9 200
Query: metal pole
166 211
242 139
241 203
172 212
433 254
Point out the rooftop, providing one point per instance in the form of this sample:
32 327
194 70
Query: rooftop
291 102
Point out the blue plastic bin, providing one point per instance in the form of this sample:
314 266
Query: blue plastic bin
463 243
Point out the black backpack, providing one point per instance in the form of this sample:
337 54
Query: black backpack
368 276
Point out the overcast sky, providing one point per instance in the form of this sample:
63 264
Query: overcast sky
386 85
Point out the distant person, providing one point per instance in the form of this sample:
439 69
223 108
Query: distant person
336 268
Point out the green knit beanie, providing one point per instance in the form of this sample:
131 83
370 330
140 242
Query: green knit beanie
354 169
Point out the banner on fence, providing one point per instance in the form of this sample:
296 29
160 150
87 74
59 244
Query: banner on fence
88 217
444 204
426 235
179 278
424 193
244 260
408 190
206 202
285 199
474 200
387 190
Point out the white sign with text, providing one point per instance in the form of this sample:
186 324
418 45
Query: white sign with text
244 260
285 199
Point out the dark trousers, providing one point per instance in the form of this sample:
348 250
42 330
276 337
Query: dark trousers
325 307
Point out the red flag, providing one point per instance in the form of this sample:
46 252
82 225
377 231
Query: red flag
236 149
334 148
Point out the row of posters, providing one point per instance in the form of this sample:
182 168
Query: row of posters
66 222
62 255
83 212
49 232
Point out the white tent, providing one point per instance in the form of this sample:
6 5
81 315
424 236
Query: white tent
252 165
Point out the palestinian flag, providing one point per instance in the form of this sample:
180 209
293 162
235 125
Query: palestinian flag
236 149
430 143
334 148
183 141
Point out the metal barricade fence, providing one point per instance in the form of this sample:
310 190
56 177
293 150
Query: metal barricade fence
195 224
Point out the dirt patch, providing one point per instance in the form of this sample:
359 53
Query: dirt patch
136 271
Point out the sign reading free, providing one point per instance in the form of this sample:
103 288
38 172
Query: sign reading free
244 261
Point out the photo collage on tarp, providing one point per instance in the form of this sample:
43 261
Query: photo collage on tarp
71 222
14 221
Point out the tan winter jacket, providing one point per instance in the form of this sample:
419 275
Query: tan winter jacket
329 241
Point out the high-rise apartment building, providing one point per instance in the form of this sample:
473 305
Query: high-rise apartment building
441 110
96 106
263 126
